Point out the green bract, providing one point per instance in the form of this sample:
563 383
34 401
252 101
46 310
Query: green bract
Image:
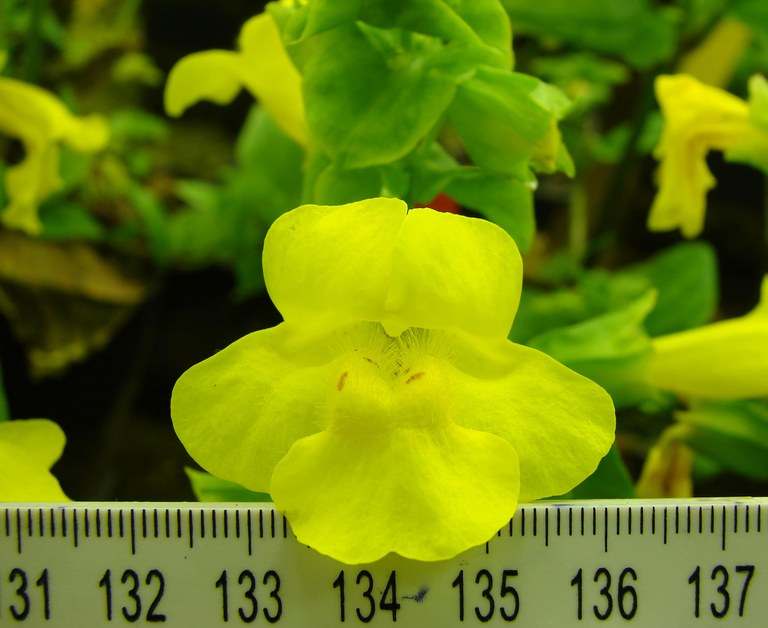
389 412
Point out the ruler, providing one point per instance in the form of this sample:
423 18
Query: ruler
644 563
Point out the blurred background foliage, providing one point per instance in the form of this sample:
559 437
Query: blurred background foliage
149 257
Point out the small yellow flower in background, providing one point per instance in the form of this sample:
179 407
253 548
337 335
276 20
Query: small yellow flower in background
40 120
389 412
262 66
699 118
723 360
716 58
667 471
28 449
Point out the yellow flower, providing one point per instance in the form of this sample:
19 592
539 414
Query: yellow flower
389 412
724 360
40 121
262 66
699 118
28 449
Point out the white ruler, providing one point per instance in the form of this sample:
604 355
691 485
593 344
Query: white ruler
641 563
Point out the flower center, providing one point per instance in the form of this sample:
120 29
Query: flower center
388 383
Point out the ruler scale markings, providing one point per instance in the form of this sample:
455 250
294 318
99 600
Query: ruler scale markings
109 523
249 531
582 521
133 532
237 524
7 523
632 551
18 530
722 529
191 528
178 523
522 522
261 524
41 522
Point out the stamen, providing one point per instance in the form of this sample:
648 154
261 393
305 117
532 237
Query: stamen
415 376
342 379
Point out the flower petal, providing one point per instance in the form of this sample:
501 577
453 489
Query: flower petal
28 449
239 411
724 360
332 262
271 76
453 272
560 423
427 493
215 75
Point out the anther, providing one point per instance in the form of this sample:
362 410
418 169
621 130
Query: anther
342 379
415 376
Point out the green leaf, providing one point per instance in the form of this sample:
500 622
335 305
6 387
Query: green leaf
69 221
208 488
372 104
503 118
611 349
271 166
470 24
631 29
335 186
611 480
685 277
505 200
154 220
732 433
541 311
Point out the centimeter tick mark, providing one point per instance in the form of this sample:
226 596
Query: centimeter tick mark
722 531
18 530
191 528
249 530
133 532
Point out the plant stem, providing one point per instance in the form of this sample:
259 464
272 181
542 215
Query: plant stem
33 48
